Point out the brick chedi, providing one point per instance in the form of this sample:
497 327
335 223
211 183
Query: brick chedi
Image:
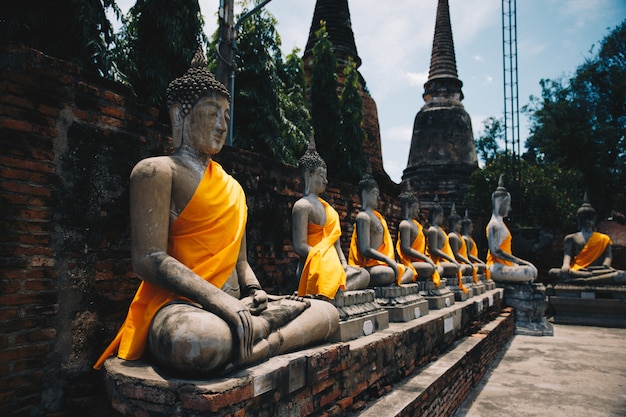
442 154
336 14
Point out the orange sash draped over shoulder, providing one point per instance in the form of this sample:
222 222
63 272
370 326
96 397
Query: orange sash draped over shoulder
505 246
474 249
355 258
206 237
595 246
419 244
322 272
447 249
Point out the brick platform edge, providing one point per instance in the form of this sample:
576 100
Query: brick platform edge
340 379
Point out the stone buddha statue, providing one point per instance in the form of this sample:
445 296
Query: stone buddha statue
587 254
188 242
316 230
503 265
411 244
438 246
457 243
371 246
467 228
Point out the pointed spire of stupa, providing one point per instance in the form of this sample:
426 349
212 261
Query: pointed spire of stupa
336 14
443 79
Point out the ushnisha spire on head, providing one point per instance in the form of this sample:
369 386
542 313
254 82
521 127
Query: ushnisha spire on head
194 84
586 209
311 160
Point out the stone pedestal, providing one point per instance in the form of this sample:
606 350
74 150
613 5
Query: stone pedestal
480 287
530 304
459 294
589 305
489 284
403 303
437 297
359 315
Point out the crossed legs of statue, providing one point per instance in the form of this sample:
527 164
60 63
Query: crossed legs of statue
513 274
185 338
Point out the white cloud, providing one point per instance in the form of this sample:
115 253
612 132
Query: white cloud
416 79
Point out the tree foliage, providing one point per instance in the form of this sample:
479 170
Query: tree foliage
487 144
580 123
548 195
352 133
325 104
156 44
270 112
76 31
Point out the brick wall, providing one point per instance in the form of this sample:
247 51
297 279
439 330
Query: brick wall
70 140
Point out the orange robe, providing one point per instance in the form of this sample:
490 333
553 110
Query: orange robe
465 252
474 252
355 258
322 272
419 245
505 246
206 237
447 249
595 246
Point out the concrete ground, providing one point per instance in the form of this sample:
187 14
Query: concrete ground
580 371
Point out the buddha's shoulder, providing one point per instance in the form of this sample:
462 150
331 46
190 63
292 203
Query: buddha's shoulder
157 166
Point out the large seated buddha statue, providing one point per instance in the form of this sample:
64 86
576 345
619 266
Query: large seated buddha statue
503 265
316 230
587 254
371 246
199 307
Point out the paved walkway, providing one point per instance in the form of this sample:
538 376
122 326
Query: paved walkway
579 372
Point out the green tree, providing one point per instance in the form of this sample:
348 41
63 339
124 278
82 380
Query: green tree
270 116
156 44
487 144
548 195
325 104
76 31
580 123
353 136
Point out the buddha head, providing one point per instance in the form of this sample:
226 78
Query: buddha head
467 227
313 170
194 89
410 205
454 220
435 214
501 199
369 191
586 215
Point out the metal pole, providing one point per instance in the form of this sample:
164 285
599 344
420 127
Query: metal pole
233 66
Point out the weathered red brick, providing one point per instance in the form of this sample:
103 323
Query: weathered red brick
18 125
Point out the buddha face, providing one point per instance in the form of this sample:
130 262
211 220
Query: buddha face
414 210
206 125
371 198
504 208
316 180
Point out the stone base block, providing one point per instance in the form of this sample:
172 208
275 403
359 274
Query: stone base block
602 306
404 303
360 326
407 312
437 302
479 288
530 303
460 295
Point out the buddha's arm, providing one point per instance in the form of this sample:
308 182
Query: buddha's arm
150 195
406 241
363 225
455 244
469 244
299 226
248 280
567 255
608 257
340 254
434 245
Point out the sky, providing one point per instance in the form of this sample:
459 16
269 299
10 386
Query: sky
394 41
